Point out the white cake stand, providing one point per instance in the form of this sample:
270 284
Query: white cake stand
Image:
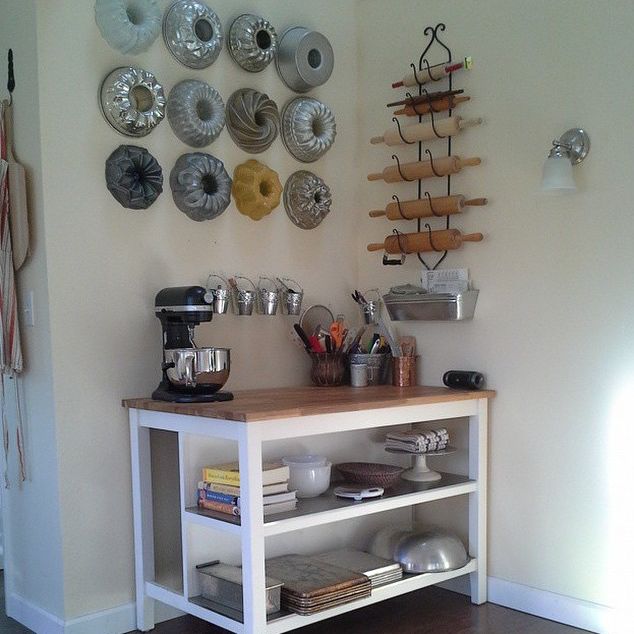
420 472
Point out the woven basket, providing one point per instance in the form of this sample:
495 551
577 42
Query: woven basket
370 473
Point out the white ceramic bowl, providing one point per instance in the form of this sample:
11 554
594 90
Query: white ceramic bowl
309 482
305 460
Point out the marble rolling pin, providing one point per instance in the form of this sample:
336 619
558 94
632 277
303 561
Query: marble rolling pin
435 105
425 131
441 205
444 240
432 73
424 169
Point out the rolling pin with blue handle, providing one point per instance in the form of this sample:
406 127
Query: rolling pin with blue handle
444 240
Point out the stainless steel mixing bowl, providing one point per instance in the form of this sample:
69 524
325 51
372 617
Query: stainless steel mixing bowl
432 550
198 367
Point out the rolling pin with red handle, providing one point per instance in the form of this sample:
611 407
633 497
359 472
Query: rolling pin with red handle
442 206
424 169
437 105
445 240
425 131
432 73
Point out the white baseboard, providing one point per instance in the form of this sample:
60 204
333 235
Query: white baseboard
32 616
122 619
117 620
547 605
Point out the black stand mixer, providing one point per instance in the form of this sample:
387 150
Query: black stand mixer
190 374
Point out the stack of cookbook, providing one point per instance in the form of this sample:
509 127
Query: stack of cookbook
219 490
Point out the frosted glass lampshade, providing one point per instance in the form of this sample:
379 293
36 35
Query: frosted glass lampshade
557 176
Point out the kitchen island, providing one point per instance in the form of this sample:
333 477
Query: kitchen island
263 417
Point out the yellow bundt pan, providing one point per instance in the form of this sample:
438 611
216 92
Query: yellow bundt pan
256 189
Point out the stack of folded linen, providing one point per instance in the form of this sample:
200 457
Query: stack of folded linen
418 441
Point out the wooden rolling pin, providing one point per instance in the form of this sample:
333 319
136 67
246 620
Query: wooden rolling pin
438 71
438 105
443 206
425 131
430 96
445 240
423 169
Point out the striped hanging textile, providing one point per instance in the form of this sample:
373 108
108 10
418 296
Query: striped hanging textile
10 349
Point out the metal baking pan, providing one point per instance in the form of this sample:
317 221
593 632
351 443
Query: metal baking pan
431 306
223 584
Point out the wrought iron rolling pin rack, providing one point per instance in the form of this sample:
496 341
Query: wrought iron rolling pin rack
427 102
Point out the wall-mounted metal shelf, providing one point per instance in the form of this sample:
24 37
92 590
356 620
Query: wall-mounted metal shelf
431 306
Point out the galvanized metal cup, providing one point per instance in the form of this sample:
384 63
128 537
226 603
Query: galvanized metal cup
244 298
221 300
293 302
291 297
268 299
378 366
370 311
220 294
245 301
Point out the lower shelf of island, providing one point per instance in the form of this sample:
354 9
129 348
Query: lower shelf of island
328 508
285 621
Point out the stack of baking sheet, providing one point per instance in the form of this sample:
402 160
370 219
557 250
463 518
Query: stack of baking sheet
380 571
311 585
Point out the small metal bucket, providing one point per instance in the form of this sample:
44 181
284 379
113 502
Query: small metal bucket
244 299
268 299
221 295
291 298
371 310
221 300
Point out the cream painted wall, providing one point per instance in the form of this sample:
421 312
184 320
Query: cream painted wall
552 329
107 263
33 557
552 320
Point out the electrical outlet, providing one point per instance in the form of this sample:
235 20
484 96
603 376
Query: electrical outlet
27 310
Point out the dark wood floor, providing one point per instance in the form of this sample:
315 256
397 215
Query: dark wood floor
428 611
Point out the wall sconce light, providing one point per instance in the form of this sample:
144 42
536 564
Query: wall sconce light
571 148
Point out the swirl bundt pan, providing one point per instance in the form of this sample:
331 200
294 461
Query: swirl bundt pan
308 128
252 120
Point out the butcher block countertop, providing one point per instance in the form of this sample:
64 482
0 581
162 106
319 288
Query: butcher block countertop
288 402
